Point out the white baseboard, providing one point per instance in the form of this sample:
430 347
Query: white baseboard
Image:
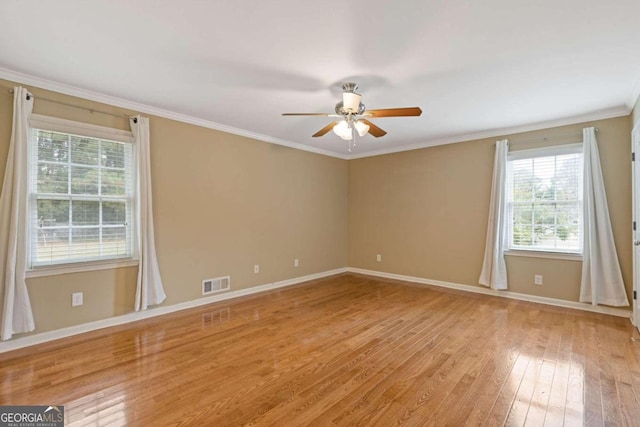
43 337
620 312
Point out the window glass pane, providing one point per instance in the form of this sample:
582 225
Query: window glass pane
113 154
543 179
569 177
84 151
522 235
114 241
52 213
113 182
568 228
543 214
52 178
523 180
52 245
84 180
85 213
114 213
85 242
53 147
545 204
522 214
71 221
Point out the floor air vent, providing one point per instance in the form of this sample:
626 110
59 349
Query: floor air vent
219 284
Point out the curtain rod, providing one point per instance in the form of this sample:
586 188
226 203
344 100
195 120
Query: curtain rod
549 138
91 110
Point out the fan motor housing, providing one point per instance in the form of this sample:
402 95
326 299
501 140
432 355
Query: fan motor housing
350 103
341 110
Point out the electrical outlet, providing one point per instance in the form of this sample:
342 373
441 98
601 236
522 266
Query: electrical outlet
256 268
76 299
537 279
379 258
296 263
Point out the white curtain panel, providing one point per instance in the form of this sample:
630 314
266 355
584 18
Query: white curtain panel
494 268
17 316
149 290
635 137
601 276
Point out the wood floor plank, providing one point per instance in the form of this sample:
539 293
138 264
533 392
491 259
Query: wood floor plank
481 376
504 362
592 384
321 392
574 412
405 362
405 397
538 406
560 384
626 404
524 395
345 361
341 351
608 390
504 401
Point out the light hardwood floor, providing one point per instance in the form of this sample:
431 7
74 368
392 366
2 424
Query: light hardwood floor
347 350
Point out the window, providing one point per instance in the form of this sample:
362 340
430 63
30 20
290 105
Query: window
544 199
81 202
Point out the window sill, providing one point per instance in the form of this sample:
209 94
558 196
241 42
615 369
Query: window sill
540 254
52 270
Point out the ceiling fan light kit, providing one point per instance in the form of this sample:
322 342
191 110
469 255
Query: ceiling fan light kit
361 127
354 116
343 130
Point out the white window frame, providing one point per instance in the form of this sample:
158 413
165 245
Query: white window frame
532 251
53 124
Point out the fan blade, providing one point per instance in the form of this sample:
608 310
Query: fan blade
325 129
306 114
394 112
373 129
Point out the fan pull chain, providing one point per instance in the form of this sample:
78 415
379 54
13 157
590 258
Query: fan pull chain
352 141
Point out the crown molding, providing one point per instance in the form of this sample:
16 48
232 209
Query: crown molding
503 132
65 89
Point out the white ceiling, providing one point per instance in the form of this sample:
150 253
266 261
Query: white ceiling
476 68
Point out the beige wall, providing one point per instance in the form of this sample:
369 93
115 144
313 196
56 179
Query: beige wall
222 203
425 211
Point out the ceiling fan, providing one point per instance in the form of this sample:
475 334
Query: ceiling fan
354 117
